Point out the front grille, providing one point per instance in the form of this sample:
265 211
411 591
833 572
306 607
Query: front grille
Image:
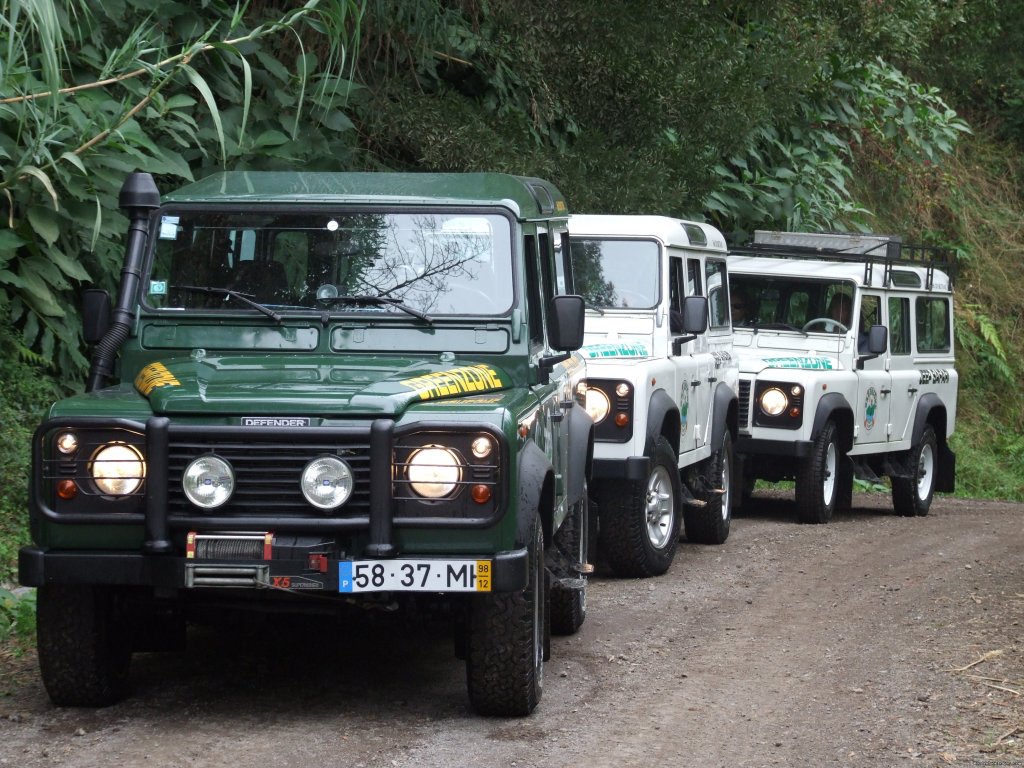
744 404
267 473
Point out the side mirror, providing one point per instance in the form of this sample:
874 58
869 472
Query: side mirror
565 322
876 344
878 340
565 331
695 322
95 314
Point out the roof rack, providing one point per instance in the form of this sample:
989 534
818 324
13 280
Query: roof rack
866 249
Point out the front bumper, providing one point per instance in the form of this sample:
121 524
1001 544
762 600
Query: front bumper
37 567
632 468
749 446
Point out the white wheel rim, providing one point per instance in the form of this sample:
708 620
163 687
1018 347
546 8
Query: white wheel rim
925 472
726 482
828 485
660 507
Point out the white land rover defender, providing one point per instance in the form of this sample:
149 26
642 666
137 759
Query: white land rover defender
661 384
845 346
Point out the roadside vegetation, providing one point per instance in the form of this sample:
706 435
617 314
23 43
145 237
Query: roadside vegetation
902 116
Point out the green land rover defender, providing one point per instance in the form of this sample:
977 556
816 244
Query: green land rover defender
315 389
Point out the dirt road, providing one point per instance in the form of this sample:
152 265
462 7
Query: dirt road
872 641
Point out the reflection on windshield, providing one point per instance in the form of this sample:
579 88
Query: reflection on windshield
436 264
616 274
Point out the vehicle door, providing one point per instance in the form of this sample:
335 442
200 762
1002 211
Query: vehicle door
874 382
905 376
686 278
555 394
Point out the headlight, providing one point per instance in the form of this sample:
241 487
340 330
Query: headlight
327 482
209 481
117 469
774 401
597 404
434 471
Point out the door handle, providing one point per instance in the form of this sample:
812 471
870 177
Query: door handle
567 404
886 391
911 390
695 384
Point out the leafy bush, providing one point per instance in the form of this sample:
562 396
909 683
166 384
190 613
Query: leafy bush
17 615
27 390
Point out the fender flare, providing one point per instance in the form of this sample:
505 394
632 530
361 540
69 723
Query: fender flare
658 410
581 453
926 405
931 410
725 416
832 403
536 492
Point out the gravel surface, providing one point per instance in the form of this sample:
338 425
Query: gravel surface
872 641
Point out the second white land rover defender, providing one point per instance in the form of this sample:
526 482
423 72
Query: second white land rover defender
661 384
845 345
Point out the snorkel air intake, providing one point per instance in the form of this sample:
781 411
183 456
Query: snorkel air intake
138 197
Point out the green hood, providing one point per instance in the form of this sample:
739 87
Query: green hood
302 385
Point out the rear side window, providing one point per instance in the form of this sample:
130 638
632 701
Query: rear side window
718 299
932 322
899 328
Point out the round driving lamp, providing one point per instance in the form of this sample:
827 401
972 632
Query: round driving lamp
433 472
208 481
774 401
117 469
327 482
597 404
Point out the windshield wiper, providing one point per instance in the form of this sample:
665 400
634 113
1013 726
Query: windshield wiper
234 295
367 299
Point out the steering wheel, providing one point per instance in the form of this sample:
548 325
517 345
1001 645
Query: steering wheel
831 326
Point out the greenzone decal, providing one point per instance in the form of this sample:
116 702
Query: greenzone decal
684 407
626 349
154 375
458 381
814 363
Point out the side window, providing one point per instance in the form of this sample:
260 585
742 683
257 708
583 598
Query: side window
870 312
899 328
932 319
693 278
718 297
563 274
546 267
534 305
676 292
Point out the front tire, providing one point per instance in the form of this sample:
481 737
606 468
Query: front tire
84 646
817 478
710 524
505 646
640 521
912 496
569 603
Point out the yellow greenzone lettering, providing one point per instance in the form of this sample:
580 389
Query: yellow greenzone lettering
474 378
153 376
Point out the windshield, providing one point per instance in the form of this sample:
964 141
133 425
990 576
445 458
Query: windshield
436 263
616 274
786 303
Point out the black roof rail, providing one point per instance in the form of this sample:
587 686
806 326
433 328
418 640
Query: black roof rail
861 248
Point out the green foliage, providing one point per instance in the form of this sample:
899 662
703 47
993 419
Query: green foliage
795 176
23 397
17 615
146 85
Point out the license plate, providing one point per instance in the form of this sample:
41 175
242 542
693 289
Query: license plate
414 576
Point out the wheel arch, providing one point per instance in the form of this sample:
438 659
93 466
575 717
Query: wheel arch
726 414
836 407
536 493
581 453
931 411
662 421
